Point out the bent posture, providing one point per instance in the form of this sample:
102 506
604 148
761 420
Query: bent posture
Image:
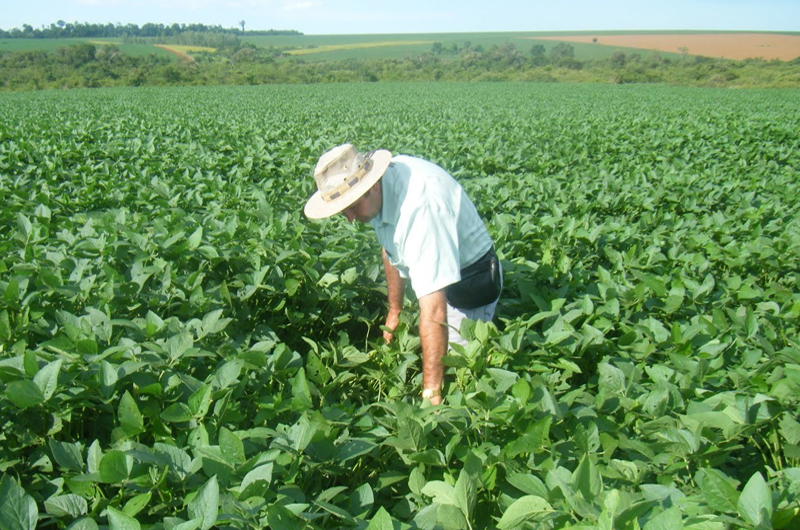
431 235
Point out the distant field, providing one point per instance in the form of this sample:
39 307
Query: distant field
398 46
737 46
355 46
51 45
587 45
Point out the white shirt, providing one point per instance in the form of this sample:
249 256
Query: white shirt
428 226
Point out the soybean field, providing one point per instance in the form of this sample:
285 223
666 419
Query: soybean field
181 349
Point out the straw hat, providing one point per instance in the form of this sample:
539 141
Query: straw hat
343 175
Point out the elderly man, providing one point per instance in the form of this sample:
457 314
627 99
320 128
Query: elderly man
431 234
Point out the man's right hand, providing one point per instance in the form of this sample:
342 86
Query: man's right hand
392 320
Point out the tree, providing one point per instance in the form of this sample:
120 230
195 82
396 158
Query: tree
618 59
537 50
241 23
561 51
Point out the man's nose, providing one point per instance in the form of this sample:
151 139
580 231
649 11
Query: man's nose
350 215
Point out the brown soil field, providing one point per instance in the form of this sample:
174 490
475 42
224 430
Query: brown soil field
722 45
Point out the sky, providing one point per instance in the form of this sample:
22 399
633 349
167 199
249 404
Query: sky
318 17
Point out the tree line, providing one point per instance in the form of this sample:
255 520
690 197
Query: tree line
61 29
88 65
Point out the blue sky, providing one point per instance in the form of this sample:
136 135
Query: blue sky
417 16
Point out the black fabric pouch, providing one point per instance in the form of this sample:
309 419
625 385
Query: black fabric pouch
480 284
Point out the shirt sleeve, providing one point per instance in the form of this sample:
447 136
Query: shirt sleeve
431 250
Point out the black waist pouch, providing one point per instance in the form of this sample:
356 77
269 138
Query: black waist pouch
480 284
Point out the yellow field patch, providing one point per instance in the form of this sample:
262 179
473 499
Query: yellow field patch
336 47
187 49
721 45
183 51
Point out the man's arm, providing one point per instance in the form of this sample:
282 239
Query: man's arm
433 334
395 286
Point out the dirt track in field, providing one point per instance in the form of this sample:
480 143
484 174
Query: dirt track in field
185 56
725 45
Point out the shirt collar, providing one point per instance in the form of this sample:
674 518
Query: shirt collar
388 204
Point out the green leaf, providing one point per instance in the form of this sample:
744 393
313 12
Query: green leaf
24 394
231 446
5 326
292 286
667 520
176 413
115 467
212 323
611 380
755 502
335 510
18 510
83 524
587 479
130 418
93 457
527 483
362 500
71 505
440 491
25 226
228 373
30 363
179 460
523 509
301 393
465 494
11 295
205 505
535 440
119 521
280 518
790 429
171 523
153 324
381 521
301 433
108 378
257 481
200 401
317 371
67 455
353 448
136 504
194 240
718 491
521 390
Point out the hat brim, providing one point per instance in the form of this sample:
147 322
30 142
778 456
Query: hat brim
319 208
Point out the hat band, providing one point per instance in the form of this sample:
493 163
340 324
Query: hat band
349 183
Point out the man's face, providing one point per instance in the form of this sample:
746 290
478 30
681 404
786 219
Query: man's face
366 207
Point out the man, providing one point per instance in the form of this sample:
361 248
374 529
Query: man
431 234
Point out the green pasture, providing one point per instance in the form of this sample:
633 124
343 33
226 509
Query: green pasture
378 46
393 46
51 45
